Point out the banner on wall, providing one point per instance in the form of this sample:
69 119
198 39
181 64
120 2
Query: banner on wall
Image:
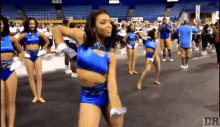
197 11
114 1
70 18
137 19
114 20
161 19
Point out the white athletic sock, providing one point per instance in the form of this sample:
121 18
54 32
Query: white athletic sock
67 67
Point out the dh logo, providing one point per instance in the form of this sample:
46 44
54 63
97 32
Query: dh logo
211 122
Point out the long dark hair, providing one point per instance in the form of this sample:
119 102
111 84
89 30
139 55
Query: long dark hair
217 25
129 28
5 31
11 24
151 34
90 33
26 25
72 25
205 29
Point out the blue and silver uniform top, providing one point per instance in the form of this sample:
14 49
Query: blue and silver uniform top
32 38
151 45
6 45
89 60
132 37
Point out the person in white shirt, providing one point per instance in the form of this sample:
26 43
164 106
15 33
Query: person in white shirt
198 37
67 59
72 43
145 31
138 26
138 29
123 33
40 29
48 34
13 29
44 28
21 28
14 32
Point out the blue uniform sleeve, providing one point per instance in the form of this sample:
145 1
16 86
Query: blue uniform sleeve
170 26
194 30
159 27
145 43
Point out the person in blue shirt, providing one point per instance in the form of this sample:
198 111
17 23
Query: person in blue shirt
185 36
165 41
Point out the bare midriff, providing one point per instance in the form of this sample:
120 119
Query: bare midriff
7 56
32 47
88 78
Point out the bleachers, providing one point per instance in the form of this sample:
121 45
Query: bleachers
119 11
9 11
77 12
178 7
149 12
40 11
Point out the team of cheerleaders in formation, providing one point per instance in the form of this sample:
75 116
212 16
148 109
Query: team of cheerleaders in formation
93 61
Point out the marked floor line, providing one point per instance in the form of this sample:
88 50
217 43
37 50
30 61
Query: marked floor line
201 57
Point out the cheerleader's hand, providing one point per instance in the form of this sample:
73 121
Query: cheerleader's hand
151 59
15 65
118 112
26 55
41 52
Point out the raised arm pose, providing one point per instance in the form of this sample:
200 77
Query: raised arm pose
96 69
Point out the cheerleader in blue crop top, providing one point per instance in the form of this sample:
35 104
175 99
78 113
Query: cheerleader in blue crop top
131 39
151 48
9 44
96 67
33 63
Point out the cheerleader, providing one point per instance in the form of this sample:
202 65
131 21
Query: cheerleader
33 63
9 80
152 57
96 69
131 40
